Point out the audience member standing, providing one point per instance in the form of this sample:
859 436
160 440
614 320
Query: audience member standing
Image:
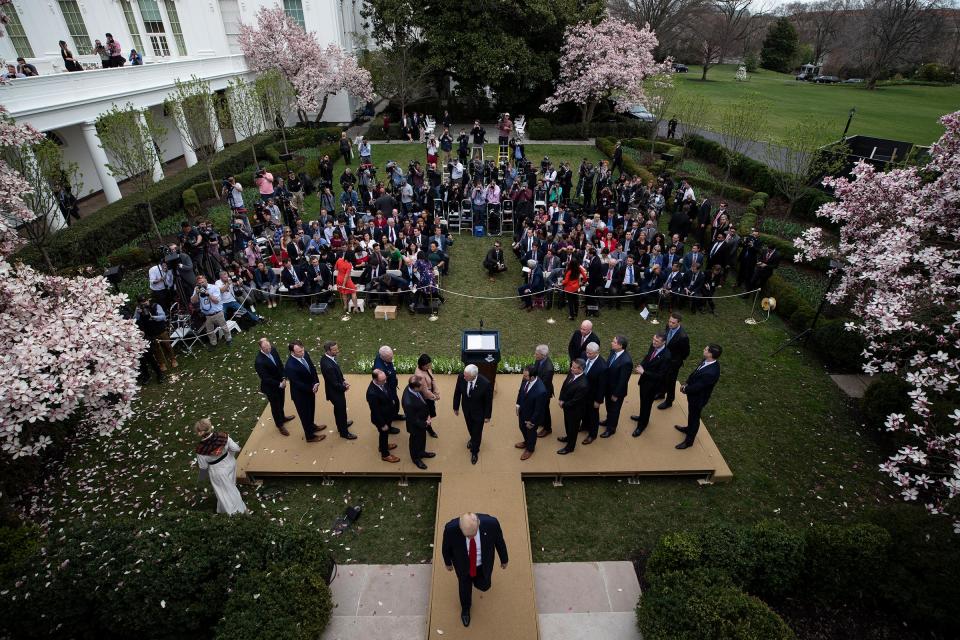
272 382
580 339
595 371
428 388
698 387
304 384
216 459
335 387
384 362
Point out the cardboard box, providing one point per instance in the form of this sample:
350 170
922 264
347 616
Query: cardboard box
384 312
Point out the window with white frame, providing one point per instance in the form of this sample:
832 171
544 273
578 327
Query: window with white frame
294 9
175 27
132 26
153 24
15 30
75 26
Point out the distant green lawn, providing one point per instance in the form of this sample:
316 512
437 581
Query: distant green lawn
905 112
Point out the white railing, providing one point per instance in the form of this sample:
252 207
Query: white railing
61 99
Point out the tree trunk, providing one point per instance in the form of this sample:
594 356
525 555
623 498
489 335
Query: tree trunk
213 184
153 221
253 150
706 66
302 115
46 258
589 111
323 107
872 82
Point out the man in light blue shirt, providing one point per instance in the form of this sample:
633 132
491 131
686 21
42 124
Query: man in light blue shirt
207 296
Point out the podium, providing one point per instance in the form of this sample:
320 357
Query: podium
482 348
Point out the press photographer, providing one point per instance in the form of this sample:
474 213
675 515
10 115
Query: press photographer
207 298
232 309
152 320
232 191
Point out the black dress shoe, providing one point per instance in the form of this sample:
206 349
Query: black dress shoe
465 619
433 434
638 431
563 451
393 430
607 433
287 418
602 423
419 464
400 416
348 436
679 428
473 458
562 439
635 418
683 445
664 405
349 423
429 454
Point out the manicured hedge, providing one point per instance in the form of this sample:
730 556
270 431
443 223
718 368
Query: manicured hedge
96 235
543 129
539 129
747 170
700 604
631 166
643 144
846 563
886 394
806 205
375 130
730 192
291 602
163 579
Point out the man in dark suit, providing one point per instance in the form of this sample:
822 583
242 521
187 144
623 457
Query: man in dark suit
580 339
767 261
418 419
693 287
495 262
526 243
698 387
750 248
272 384
532 401
476 394
652 371
694 257
384 362
533 284
619 368
335 386
296 282
595 371
467 547
319 277
381 413
544 366
719 251
574 398
304 383
703 221
678 344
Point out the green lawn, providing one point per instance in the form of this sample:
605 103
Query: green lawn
779 421
904 112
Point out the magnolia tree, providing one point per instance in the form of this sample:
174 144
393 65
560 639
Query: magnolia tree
278 42
67 352
904 295
611 59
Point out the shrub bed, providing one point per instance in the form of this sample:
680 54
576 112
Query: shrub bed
700 604
165 579
631 166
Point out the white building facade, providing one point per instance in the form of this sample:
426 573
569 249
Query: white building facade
177 39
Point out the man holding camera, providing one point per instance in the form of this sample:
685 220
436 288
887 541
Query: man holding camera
161 284
233 192
264 182
207 296
231 307
295 188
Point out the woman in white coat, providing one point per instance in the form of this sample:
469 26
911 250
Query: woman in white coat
216 457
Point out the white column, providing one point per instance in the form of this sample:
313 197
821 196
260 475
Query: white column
218 143
157 167
188 154
110 188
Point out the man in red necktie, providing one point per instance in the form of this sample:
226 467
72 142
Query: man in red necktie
468 546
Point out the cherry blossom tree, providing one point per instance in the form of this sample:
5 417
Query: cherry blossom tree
611 59
278 42
67 351
899 235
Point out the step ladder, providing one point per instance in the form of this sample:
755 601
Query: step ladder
503 155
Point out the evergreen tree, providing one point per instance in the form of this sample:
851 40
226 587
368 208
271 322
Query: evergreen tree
779 47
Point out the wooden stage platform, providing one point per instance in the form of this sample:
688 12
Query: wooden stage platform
493 486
